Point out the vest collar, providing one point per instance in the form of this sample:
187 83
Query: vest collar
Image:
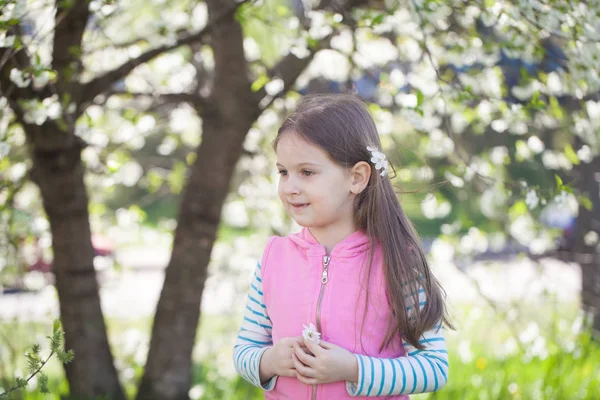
352 245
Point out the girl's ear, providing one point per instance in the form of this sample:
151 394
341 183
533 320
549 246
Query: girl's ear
360 174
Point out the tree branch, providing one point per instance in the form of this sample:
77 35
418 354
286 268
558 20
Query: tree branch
34 373
191 98
10 58
121 45
70 22
101 83
289 69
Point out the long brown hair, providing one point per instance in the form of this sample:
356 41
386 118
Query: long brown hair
343 127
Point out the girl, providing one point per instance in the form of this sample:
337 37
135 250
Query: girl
355 278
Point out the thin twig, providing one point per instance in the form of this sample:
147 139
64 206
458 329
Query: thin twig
30 377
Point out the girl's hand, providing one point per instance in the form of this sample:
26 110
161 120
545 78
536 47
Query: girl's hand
327 363
277 360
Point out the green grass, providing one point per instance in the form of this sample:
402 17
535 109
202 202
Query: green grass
559 375
541 354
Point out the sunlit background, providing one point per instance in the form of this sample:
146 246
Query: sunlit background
489 112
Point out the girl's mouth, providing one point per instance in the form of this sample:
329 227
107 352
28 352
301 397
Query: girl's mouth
299 206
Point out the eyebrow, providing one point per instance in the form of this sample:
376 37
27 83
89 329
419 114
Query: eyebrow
302 164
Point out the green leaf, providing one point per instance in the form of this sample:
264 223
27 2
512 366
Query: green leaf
62 124
65 357
567 188
66 4
75 51
312 43
556 108
33 361
190 158
177 177
586 202
282 11
155 180
519 208
259 83
18 45
378 20
571 155
66 100
43 382
243 13
420 97
138 212
56 326
535 102
559 182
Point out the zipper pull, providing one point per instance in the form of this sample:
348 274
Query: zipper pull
324 278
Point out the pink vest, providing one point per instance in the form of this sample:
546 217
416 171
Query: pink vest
292 270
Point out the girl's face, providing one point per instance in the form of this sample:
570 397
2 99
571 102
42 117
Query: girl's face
314 189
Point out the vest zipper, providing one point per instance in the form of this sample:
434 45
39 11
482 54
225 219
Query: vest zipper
324 280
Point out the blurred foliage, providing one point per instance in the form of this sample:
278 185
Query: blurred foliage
549 356
36 362
480 105
487 109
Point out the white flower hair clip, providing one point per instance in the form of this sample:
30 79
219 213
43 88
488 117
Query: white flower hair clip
380 161
310 333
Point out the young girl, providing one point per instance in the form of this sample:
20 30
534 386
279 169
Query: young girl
347 307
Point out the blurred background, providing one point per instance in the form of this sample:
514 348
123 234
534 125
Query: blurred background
138 181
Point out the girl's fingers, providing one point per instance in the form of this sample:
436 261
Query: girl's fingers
304 357
305 380
300 341
301 368
314 348
296 362
305 349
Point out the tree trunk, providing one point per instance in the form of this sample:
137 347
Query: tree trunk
226 119
168 369
589 220
59 173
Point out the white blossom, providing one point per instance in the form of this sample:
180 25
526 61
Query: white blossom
19 78
380 161
532 199
310 333
4 149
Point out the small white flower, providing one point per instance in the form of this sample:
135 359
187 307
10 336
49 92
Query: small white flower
310 333
379 159
4 149
531 199
20 78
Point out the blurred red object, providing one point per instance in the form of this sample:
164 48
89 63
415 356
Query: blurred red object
101 244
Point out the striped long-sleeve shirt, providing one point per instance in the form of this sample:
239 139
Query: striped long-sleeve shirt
418 371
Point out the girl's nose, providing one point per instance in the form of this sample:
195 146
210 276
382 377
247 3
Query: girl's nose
290 187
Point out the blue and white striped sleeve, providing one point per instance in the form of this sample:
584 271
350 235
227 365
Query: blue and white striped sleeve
254 337
418 371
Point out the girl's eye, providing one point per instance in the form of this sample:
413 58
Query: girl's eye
282 172
307 172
